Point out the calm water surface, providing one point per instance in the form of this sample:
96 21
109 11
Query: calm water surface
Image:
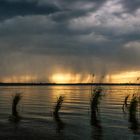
37 121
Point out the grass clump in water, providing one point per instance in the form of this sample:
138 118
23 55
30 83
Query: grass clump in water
95 98
58 106
133 108
59 122
125 104
15 114
94 104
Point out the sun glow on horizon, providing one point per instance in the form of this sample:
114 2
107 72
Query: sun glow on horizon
123 77
19 79
61 78
70 78
126 77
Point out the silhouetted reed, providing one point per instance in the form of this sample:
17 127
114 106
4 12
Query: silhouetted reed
59 122
133 113
58 106
132 109
94 104
15 114
95 98
125 104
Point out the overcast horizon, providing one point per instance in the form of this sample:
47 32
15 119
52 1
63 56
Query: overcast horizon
69 40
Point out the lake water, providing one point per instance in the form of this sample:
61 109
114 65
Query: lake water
37 122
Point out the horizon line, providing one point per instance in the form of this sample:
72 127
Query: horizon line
49 84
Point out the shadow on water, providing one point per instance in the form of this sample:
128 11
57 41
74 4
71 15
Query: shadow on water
95 116
59 122
134 125
96 127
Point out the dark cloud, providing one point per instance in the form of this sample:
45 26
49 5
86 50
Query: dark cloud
65 9
131 6
10 9
78 8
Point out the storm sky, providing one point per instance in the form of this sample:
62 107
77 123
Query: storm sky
41 37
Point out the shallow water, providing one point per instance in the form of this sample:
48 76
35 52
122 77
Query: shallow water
37 122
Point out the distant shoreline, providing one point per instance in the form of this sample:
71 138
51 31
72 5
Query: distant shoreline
69 84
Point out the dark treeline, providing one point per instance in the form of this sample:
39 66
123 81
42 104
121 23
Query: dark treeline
66 84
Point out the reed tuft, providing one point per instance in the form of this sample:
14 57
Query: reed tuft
58 106
15 114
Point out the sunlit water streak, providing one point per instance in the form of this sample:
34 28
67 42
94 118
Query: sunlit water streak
37 122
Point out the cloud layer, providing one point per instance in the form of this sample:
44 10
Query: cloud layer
42 37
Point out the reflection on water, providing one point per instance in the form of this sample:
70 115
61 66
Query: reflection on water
96 133
74 120
59 124
96 126
134 126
